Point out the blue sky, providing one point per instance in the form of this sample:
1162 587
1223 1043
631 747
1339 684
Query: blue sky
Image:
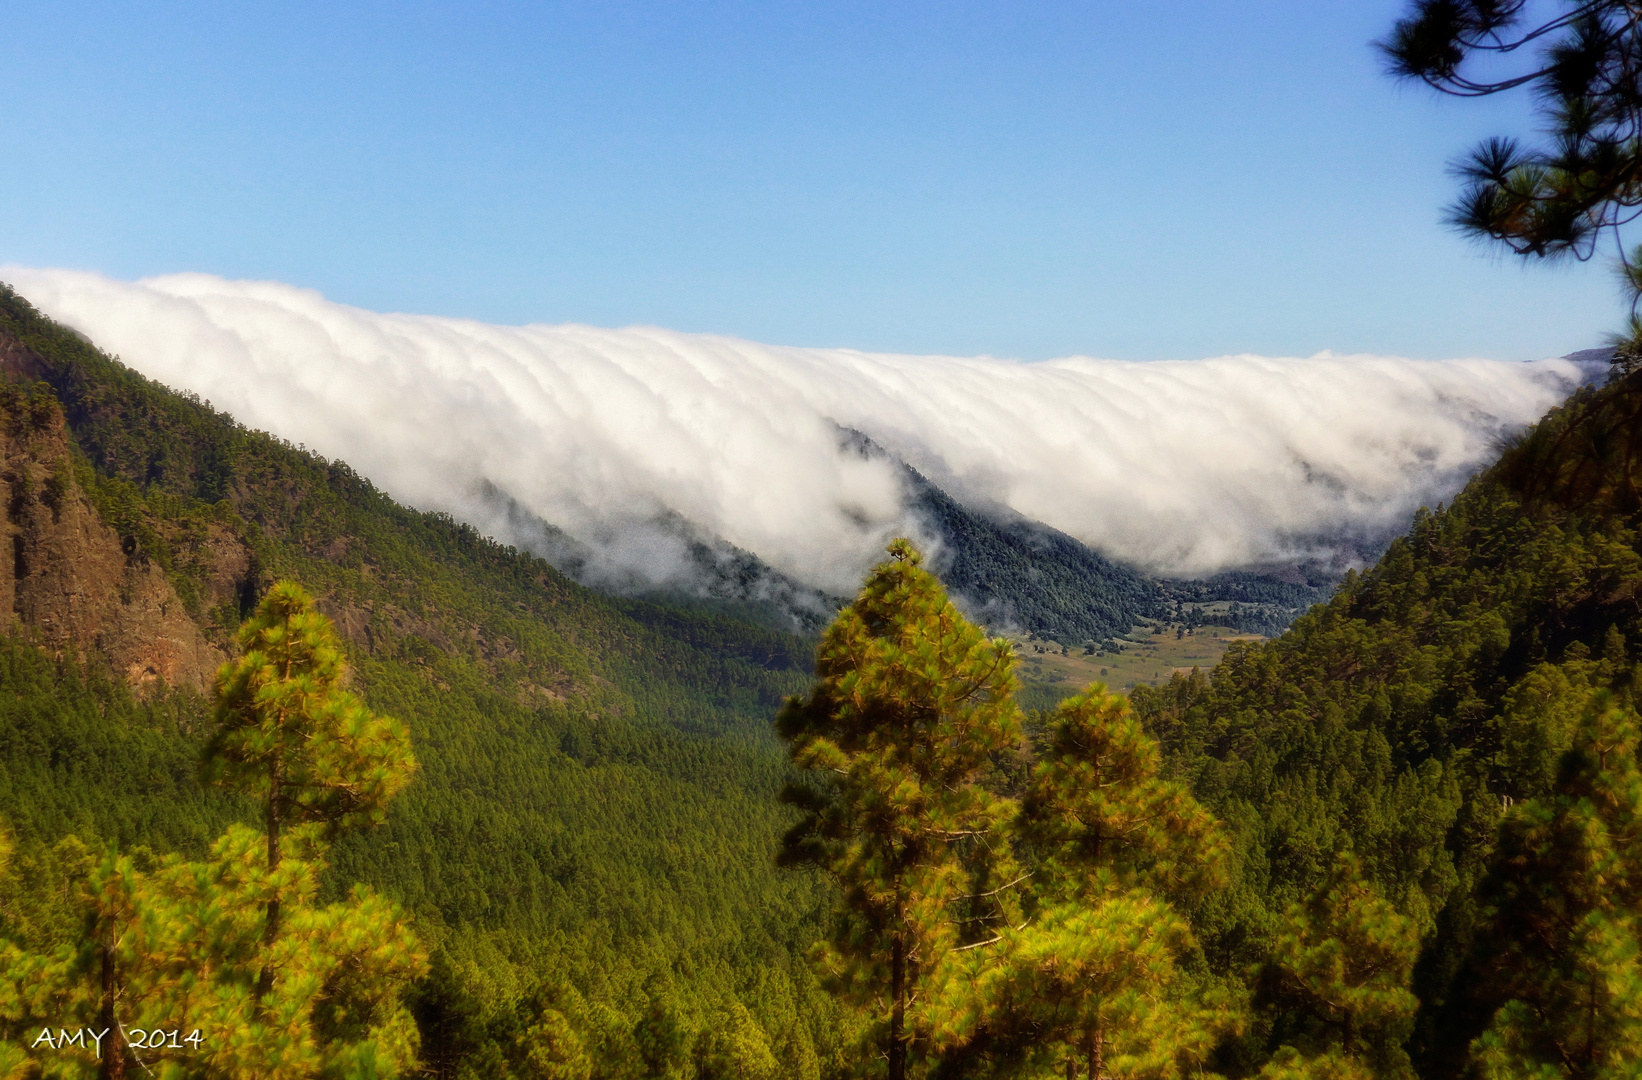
1029 180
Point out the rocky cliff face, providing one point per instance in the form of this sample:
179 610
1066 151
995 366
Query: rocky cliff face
74 582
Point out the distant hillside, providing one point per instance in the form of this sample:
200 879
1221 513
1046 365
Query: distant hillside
1263 603
1013 573
718 575
1009 572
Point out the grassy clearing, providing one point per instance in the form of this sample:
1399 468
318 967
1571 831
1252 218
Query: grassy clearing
1146 655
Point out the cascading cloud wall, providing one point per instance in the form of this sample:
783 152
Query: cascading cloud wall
1179 467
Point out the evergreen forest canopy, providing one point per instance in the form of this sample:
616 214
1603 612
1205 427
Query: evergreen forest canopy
453 815
556 730
590 827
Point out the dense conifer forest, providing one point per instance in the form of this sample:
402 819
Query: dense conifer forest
1436 718
444 812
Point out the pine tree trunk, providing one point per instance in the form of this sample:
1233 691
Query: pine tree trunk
1096 1048
112 1066
1590 1024
270 931
897 1014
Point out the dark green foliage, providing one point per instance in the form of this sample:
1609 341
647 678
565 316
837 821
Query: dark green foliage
1558 960
1340 970
1254 603
450 1019
1581 60
1015 572
1554 201
69 734
587 846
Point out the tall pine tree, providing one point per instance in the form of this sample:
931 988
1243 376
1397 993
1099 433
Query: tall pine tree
1340 973
291 735
234 950
912 704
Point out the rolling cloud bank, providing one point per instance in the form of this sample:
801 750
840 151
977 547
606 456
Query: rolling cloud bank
619 437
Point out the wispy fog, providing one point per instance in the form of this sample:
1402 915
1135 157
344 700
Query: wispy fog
613 435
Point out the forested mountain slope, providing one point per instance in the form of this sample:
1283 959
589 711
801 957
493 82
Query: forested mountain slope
1014 574
596 796
1433 692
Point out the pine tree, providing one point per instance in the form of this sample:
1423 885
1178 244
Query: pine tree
1091 989
1290 1064
913 701
661 1036
449 1016
270 983
1557 199
1559 953
177 946
553 1050
1342 965
1092 983
1104 818
289 733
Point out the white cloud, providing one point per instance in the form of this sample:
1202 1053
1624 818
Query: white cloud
1182 467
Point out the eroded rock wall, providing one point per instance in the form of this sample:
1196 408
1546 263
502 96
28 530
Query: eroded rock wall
71 579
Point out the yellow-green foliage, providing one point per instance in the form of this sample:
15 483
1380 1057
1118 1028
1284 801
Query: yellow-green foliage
1101 814
290 734
594 801
181 946
235 952
977 930
1101 975
1343 960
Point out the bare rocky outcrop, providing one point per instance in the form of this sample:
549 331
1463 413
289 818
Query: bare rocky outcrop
18 360
75 582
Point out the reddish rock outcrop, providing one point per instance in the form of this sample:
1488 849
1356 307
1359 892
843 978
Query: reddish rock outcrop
76 583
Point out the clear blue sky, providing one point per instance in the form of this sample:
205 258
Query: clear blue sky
1023 179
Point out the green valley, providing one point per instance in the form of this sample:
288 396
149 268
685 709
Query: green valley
1396 840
